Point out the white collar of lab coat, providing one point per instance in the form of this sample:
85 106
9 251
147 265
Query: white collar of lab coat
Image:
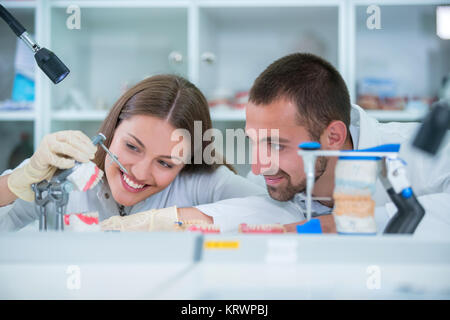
366 128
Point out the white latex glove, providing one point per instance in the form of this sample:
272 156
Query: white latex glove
58 150
151 220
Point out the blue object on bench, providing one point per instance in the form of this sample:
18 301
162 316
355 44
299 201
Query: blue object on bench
312 226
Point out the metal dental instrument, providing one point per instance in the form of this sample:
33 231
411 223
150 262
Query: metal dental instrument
98 139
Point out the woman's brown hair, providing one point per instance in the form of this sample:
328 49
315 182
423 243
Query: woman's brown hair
168 97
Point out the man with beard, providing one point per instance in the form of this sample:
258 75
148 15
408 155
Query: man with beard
300 98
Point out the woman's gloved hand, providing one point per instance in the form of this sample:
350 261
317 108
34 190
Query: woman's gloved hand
151 220
58 150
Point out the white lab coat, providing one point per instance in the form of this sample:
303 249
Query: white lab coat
187 190
429 177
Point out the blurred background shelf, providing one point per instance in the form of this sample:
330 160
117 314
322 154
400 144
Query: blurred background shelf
221 46
95 115
380 115
400 116
228 115
17 116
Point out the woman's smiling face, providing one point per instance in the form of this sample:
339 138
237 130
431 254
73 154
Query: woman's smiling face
143 145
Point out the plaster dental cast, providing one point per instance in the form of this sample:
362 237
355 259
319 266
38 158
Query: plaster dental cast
306 99
138 130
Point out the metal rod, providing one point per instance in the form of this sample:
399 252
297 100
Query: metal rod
114 158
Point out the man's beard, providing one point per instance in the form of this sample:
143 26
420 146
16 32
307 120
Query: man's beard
288 192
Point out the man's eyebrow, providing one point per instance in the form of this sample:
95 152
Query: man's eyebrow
137 140
269 139
275 139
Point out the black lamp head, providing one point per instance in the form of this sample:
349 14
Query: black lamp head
54 68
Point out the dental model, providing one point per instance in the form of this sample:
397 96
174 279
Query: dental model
81 222
261 228
354 207
197 226
85 176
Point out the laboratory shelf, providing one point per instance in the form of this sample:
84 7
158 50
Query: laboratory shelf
380 115
14 4
227 115
16 116
402 116
95 115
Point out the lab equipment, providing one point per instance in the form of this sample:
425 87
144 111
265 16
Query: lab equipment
52 66
392 175
57 191
82 177
434 127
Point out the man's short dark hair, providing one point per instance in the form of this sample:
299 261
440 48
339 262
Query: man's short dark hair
312 84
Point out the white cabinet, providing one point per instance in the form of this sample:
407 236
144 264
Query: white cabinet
221 46
114 48
245 40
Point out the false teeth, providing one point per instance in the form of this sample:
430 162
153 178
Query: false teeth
85 176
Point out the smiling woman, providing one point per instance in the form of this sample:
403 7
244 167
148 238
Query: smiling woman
139 131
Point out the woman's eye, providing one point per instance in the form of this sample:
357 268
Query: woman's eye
164 164
131 147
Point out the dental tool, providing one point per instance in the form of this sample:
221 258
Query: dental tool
98 139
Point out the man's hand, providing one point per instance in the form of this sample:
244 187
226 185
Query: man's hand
326 222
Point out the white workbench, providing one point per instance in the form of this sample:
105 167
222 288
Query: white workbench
191 266
317 267
99 265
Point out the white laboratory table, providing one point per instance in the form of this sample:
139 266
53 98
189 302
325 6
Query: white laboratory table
96 265
317 267
180 265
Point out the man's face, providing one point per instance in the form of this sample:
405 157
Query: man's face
284 175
